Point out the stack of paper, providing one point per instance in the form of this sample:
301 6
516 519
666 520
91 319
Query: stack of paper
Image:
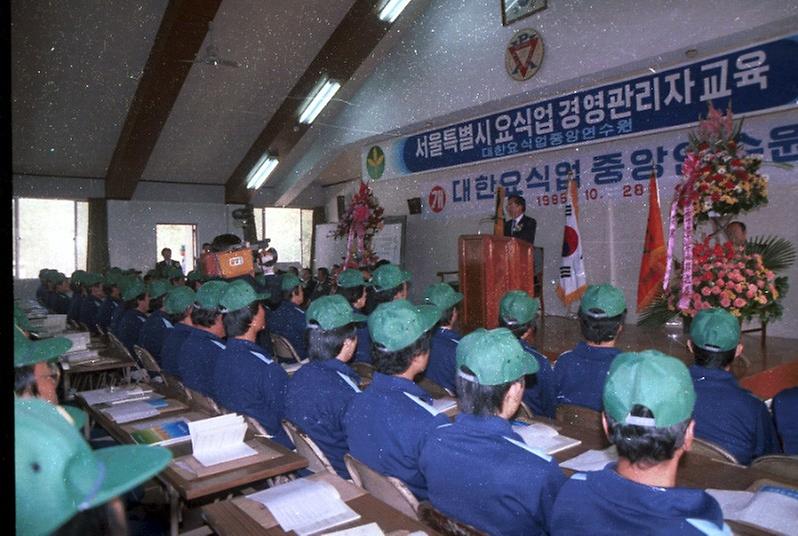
79 340
48 325
592 460
219 439
164 432
135 411
81 356
770 507
544 437
289 503
116 394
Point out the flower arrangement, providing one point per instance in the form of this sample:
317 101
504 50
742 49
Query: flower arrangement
361 221
717 175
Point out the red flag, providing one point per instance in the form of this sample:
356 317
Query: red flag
652 267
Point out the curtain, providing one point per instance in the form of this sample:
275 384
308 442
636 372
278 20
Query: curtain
97 258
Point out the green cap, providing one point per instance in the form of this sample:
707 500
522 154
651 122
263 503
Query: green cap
260 279
397 324
134 288
158 287
21 319
494 356
178 299
57 277
28 352
195 275
443 296
331 312
602 301
173 272
716 330
289 281
90 279
210 293
238 295
652 379
77 276
518 308
57 474
389 276
351 278
112 278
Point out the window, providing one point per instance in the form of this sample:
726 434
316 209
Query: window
181 239
290 231
49 233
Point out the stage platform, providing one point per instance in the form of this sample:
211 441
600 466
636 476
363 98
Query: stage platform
556 334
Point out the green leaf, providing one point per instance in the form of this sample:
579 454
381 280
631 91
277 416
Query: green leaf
777 253
657 313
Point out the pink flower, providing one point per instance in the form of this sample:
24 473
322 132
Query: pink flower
760 284
739 302
706 291
715 290
725 302
720 283
750 294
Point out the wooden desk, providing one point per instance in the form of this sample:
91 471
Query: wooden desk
180 486
242 516
106 362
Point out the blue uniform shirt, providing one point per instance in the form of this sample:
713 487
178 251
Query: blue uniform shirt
154 332
247 380
731 417
288 320
197 360
42 294
603 502
116 318
539 393
442 366
479 471
129 328
171 348
386 426
74 306
57 303
89 309
785 413
316 402
107 309
580 374
363 350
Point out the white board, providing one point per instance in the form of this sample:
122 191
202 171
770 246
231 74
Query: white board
387 244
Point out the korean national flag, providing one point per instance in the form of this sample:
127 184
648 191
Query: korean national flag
573 280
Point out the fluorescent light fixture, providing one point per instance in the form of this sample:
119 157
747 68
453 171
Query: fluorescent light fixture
318 99
392 9
261 171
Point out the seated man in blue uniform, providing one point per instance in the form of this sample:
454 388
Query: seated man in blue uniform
442 363
648 407
288 319
518 313
352 287
112 299
478 470
725 413
580 373
158 325
319 392
389 283
246 378
76 284
58 298
197 357
387 424
178 304
137 303
124 282
785 414
44 286
90 306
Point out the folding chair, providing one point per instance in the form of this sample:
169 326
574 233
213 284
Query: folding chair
388 489
524 413
434 390
176 388
283 349
711 450
778 465
305 446
202 402
363 369
437 520
579 416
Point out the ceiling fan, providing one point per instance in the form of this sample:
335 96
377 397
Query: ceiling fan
211 54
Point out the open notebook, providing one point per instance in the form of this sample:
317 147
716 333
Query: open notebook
771 508
306 506
544 437
219 439
116 394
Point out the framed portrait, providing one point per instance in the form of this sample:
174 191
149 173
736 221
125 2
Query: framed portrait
513 10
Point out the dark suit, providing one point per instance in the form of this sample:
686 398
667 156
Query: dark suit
526 232
162 268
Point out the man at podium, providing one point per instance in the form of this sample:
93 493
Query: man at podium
519 225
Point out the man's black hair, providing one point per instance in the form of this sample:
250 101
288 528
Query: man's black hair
288 294
156 303
598 330
25 380
478 399
710 359
327 343
204 317
518 200
237 322
388 294
177 317
398 361
166 249
325 271
351 294
102 519
134 303
447 316
737 222
517 329
645 445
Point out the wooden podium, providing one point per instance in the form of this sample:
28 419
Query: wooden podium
490 266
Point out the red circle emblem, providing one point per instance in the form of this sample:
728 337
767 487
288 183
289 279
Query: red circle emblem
570 242
437 199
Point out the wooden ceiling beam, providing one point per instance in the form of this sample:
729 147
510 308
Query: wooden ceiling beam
347 48
180 37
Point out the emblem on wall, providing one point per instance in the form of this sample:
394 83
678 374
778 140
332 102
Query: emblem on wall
524 54
375 162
